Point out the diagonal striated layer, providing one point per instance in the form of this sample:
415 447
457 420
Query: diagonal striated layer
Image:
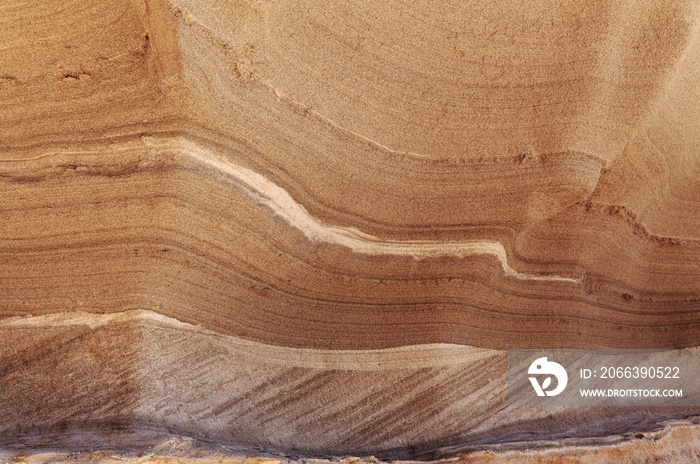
398 402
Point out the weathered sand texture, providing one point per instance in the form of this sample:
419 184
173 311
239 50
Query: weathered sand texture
316 228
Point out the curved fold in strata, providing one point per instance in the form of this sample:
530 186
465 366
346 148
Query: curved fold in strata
178 228
169 225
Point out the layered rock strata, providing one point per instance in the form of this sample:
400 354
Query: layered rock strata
317 229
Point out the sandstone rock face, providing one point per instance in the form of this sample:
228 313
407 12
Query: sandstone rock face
316 228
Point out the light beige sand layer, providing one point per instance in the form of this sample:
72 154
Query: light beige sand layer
677 444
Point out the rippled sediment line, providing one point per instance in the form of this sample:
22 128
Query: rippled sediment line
274 197
282 204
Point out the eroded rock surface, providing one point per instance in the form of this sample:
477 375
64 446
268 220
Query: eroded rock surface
316 228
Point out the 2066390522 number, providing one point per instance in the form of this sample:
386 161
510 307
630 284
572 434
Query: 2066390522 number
636 372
